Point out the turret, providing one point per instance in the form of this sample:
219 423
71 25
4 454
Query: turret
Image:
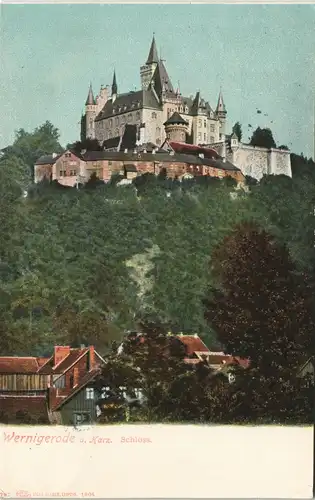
90 114
114 88
147 71
221 113
176 128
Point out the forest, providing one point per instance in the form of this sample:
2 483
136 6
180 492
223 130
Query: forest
82 266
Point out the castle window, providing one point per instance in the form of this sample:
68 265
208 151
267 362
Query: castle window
199 136
130 117
199 123
62 173
158 130
123 119
73 172
116 121
211 139
138 115
154 115
211 128
110 122
205 137
205 123
186 109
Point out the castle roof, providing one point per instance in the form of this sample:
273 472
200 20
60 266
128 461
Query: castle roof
161 81
131 101
153 54
176 119
90 98
221 105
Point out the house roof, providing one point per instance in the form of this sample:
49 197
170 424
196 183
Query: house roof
111 143
47 159
182 147
35 407
74 355
193 343
13 364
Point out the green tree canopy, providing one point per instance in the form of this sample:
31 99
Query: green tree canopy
262 137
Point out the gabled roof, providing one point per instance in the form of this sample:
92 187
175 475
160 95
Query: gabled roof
74 355
161 81
153 54
84 381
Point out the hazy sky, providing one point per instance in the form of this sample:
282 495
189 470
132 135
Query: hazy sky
261 55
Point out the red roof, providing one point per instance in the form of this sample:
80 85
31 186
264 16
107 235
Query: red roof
182 147
12 364
193 344
24 408
65 364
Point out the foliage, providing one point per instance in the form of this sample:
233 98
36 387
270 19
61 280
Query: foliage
261 310
237 129
263 138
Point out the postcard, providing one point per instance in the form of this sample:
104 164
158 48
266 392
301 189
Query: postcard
157 278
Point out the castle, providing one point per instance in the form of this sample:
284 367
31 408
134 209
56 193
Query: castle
149 108
160 113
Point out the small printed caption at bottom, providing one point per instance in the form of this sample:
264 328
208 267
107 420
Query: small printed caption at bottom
53 494
70 438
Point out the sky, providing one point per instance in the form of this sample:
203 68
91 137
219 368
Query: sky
262 56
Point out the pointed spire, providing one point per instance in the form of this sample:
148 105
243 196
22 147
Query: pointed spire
90 98
153 54
220 105
114 84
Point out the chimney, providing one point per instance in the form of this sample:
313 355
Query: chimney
201 155
83 151
54 155
126 150
60 353
196 335
91 357
153 151
75 376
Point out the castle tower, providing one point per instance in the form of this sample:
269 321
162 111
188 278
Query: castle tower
147 71
90 115
114 88
221 113
102 98
176 128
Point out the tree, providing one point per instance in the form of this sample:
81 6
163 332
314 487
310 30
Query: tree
261 309
28 147
263 138
237 129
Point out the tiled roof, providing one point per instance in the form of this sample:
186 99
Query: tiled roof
193 344
69 360
33 407
11 364
132 101
113 142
